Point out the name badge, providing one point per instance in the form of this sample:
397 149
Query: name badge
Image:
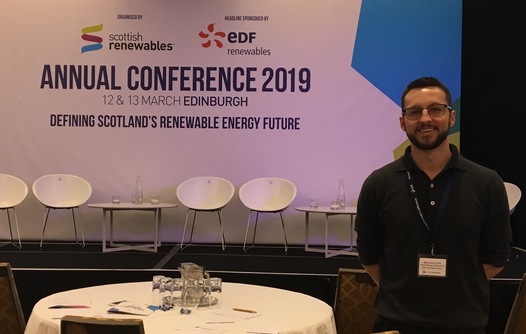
432 265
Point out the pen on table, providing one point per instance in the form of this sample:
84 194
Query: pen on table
205 328
219 322
118 302
69 306
244 310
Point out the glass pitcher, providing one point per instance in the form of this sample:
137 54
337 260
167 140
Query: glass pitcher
196 282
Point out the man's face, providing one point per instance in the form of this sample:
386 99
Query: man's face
427 133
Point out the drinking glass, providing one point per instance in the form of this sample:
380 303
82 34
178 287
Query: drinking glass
165 292
216 288
156 283
191 294
177 288
154 199
116 198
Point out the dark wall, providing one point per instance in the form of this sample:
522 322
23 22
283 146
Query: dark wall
493 104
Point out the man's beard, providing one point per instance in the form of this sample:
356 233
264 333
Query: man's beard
426 146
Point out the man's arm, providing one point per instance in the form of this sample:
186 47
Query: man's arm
374 271
491 271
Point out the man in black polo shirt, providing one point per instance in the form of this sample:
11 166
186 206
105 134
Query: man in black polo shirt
432 227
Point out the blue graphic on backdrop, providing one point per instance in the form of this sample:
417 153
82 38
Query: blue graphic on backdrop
399 41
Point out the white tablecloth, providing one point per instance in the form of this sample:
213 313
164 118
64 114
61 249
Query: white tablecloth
279 311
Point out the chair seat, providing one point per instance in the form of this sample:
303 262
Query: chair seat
514 195
268 195
12 192
65 204
205 193
11 317
73 324
62 191
354 301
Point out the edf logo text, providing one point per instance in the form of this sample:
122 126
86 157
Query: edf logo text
241 37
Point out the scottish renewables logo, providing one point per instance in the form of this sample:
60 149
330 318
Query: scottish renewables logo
87 35
121 41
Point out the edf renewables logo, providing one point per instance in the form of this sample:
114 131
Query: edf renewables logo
88 37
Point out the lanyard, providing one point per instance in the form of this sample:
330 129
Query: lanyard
441 207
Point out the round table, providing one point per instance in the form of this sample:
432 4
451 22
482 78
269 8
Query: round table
278 310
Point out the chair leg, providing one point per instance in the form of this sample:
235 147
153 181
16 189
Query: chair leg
255 228
246 233
223 242
184 229
9 224
19 245
75 226
46 214
284 233
17 230
192 231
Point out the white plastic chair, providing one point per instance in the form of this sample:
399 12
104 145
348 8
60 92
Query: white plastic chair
266 195
514 195
12 192
205 193
62 192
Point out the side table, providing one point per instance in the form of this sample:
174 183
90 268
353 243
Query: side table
328 212
110 208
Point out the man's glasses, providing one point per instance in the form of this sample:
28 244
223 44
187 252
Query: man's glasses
434 110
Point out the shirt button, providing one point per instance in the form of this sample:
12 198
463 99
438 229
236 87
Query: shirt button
432 185
432 203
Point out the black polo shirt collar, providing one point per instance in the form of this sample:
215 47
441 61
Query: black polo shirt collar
406 162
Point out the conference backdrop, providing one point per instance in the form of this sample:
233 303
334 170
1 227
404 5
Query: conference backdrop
306 90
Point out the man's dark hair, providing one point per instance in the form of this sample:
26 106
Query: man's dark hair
426 82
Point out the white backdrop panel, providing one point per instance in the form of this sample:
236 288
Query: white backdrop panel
345 126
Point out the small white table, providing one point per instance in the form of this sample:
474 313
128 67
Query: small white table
328 212
278 311
110 207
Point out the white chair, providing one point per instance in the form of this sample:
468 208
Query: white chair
266 195
12 192
514 195
205 193
62 192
